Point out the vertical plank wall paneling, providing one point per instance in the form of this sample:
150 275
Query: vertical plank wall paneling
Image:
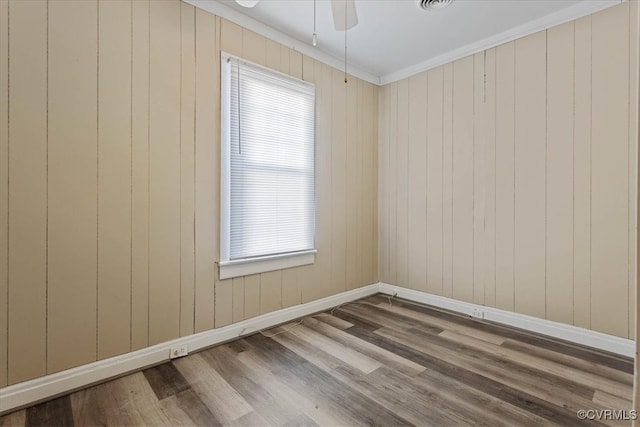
187 168
352 173
4 186
27 191
231 41
114 178
393 183
371 106
559 174
383 183
488 194
140 175
370 182
338 177
447 181
462 180
322 79
112 159
529 166
416 182
504 175
206 180
609 173
164 171
479 133
402 163
534 189
582 175
435 181
72 183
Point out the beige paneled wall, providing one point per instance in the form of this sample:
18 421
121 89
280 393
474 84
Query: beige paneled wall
109 181
507 178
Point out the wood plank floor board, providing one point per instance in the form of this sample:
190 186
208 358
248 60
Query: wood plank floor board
425 321
358 321
603 358
250 419
610 400
546 387
96 405
579 378
333 321
363 410
353 358
54 412
376 361
389 319
504 369
189 403
323 405
127 401
301 421
136 401
220 397
174 412
165 380
501 412
272 410
467 404
570 361
530 403
311 412
383 356
509 370
15 419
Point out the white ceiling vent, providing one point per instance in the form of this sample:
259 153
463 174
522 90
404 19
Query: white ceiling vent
433 4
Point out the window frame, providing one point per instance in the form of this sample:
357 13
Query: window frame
259 264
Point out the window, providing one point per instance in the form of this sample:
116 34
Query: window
268 212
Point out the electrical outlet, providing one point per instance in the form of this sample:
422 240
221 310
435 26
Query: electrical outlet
478 314
178 352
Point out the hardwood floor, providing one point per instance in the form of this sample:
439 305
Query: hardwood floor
366 363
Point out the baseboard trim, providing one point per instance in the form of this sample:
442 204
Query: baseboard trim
574 334
33 391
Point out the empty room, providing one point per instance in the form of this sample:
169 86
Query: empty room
319 212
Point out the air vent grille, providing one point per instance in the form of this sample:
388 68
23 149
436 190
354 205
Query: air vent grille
433 4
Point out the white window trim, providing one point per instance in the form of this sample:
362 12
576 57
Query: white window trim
228 269
244 267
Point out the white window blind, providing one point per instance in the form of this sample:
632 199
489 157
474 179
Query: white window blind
268 150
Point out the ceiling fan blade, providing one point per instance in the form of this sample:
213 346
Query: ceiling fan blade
341 20
247 3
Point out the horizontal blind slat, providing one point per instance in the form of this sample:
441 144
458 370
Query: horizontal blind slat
272 163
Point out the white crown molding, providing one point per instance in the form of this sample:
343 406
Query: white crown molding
610 343
46 387
584 8
249 23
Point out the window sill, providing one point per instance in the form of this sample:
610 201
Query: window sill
245 267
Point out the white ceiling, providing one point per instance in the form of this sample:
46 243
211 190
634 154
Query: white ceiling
395 38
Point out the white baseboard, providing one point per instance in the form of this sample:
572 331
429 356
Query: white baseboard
574 334
39 389
43 388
